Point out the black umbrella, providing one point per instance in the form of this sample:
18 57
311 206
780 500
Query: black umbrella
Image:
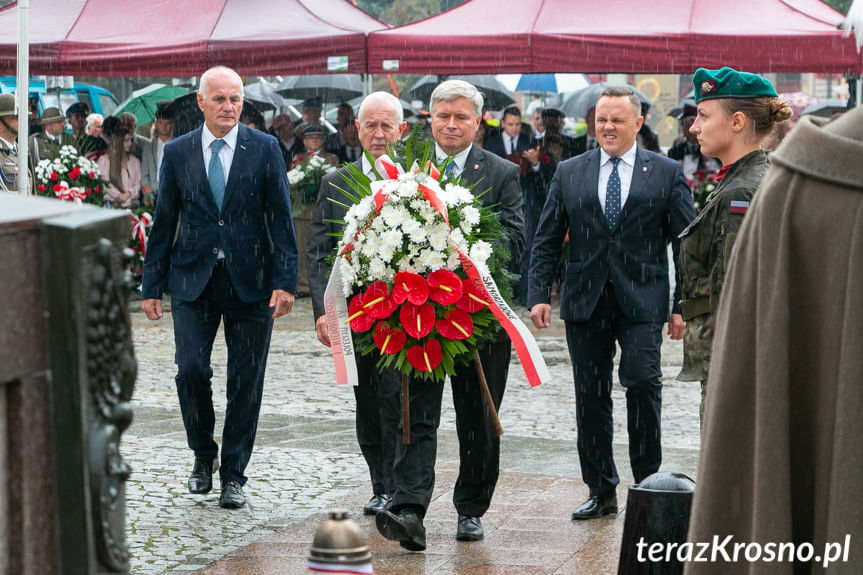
578 103
688 101
188 116
826 108
407 108
327 87
497 97
265 96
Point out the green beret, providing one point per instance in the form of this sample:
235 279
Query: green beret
729 83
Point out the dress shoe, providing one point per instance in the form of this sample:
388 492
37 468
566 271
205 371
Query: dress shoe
596 506
201 479
469 528
232 495
376 504
406 527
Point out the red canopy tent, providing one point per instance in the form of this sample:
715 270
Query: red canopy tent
185 37
624 36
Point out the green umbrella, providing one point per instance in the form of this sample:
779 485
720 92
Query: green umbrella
142 103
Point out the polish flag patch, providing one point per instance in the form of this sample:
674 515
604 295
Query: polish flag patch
738 207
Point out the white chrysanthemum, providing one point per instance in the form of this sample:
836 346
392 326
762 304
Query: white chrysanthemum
362 210
379 225
295 176
417 235
377 269
459 240
405 265
470 214
392 238
439 237
480 252
408 187
431 259
457 195
370 244
453 262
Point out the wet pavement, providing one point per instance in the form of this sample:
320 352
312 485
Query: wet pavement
306 460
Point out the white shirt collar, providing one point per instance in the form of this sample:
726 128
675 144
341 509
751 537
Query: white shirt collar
367 167
230 138
628 157
459 159
9 145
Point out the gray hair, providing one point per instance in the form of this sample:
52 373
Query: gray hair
452 89
214 71
92 119
383 98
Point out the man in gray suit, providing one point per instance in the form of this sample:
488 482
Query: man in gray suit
456 111
163 132
377 394
621 205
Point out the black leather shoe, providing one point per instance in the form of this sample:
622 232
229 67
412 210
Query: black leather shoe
376 504
596 506
406 527
232 495
201 479
469 528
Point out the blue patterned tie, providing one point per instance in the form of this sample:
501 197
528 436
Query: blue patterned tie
215 173
612 196
450 170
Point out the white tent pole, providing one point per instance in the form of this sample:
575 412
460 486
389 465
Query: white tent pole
23 91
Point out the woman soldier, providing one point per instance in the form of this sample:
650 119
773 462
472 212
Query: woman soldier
736 111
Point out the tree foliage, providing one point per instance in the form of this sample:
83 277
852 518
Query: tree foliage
407 11
840 5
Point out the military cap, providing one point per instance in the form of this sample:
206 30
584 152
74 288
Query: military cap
78 108
7 105
313 130
51 115
551 113
729 83
312 103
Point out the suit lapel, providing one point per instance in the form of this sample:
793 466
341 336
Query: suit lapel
240 155
474 169
591 182
640 175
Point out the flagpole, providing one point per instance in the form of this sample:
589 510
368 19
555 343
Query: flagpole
23 93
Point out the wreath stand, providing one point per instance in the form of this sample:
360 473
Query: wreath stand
406 415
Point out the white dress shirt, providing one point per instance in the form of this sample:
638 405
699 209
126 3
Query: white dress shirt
510 144
226 154
459 159
624 170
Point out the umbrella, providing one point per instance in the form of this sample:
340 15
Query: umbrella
689 100
826 108
407 108
544 83
497 96
578 103
327 87
264 93
142 103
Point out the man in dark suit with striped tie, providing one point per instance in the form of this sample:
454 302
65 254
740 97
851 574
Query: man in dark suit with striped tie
621 205
223 246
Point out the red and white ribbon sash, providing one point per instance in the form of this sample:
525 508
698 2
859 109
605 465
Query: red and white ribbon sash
139 230
336 307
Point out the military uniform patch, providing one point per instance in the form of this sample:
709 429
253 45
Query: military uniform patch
738 207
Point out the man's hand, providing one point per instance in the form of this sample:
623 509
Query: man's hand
152 308
282 301
540 315
676 325
146 192
321 330
532 155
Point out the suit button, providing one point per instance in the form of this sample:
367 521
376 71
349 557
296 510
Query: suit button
216 251
221 222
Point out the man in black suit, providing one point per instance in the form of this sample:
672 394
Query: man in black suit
621 205
378 394
456 108
223 245
510 142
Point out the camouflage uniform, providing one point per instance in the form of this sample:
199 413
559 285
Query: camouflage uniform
8 168
704 252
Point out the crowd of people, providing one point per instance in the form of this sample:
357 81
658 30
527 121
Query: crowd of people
227 247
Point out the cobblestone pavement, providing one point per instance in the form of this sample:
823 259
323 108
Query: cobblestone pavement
306 457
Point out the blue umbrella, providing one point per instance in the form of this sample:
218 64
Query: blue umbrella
550 83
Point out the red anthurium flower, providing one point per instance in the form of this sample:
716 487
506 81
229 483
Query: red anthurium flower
471 301
417 320
389 340
425 358
455 325
444 287
76 171
411 287
378 302
359 319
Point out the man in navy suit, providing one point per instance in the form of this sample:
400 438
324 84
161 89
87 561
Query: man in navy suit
621 205
223 193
